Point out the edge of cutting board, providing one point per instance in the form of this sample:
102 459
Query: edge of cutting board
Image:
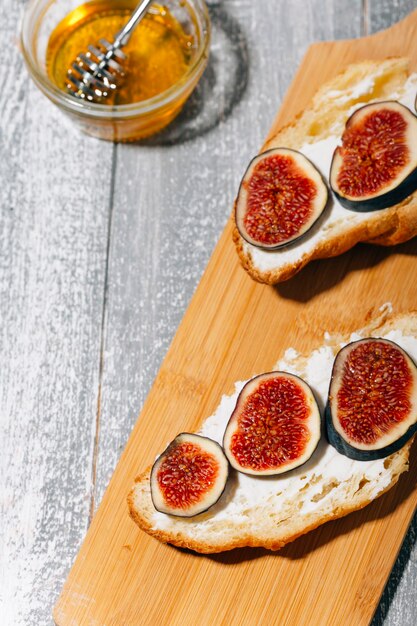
122 576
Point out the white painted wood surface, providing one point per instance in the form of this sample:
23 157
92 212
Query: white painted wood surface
93 285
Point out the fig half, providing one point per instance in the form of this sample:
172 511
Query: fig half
372 406
189 476
280 197
275 426
376 165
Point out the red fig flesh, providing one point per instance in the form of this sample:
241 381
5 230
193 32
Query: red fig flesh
281 196
372 406
189 476
275 426
376 165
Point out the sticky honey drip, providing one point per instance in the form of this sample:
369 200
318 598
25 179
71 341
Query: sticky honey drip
159 51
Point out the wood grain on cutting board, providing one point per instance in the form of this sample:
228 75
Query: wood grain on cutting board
235 328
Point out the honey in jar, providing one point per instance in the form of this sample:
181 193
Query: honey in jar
159 51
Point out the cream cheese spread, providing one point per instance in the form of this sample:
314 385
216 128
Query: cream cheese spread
325 466
335 216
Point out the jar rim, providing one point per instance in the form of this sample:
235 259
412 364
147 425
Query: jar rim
120 111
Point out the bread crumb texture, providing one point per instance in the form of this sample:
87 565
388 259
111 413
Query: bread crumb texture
272 511
316 133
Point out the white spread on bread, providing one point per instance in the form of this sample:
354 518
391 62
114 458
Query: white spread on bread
361 88
321 153
318 479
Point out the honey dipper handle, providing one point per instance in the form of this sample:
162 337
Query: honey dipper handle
123 35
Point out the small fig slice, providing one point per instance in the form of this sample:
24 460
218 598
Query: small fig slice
275 426
189 476
280 197
372 406
376 165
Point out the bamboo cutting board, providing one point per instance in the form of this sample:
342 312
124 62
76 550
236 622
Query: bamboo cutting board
233 329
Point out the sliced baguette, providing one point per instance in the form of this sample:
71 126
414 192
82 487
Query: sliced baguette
323 120
271 513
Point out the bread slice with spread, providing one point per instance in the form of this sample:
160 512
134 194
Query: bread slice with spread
271 511
316 133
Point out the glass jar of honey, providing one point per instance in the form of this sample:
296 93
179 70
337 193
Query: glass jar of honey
166 56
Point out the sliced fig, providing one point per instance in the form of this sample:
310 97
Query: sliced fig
376 165
280 197
275 426
189 476
372 407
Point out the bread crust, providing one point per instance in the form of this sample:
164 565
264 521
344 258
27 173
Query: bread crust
250 541
397 225
141 507
387 227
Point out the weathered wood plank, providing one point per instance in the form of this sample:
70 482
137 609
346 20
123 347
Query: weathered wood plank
53 238
125 574
52 265
382 13
168 266
172 202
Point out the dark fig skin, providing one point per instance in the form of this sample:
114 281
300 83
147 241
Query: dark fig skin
384 200
343 447
295 240
346 449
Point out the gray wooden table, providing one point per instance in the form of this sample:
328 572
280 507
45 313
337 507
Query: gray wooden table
95 277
